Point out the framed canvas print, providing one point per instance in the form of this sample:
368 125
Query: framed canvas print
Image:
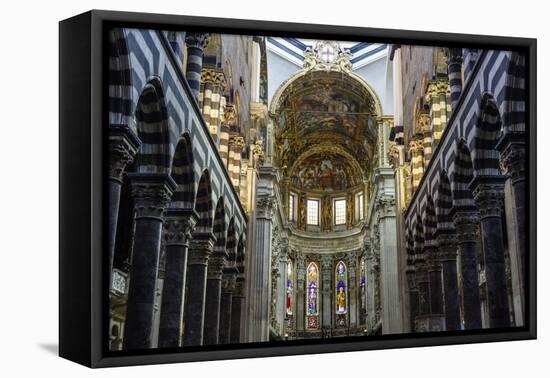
234 188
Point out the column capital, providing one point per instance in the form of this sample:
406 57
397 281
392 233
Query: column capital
151 193
237 142
216 264
512 155
265 207
488 192
385 205
197 39
201 247
229 283
179 225
228 114
466 225
123 146
447 246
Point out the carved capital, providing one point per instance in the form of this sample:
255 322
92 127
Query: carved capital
198 40
488 192
179 225
447 246
123 146
466 226
237 143
216 264
416 146
201 247
151 193
385 205
512 155
265 206
229 283
228 115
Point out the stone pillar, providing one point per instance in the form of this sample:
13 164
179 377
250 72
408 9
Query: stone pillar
151 194
455 75
179 225
370 272
422 321
389 263
437 322
448 254
466 232
326 293
196 43
259 297
213 298
413 298
123 146
229 281
488 193
200 249
512 156
237 304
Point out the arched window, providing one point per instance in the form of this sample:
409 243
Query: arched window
341 288
312 310
289 288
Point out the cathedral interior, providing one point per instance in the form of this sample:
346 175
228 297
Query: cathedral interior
269 188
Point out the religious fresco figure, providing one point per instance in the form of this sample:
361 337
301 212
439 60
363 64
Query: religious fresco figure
312 292
341 295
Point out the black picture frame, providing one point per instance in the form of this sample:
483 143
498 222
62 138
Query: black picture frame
82 109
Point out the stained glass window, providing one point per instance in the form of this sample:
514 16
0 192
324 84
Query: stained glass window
341 287
340 211
312 289
289 287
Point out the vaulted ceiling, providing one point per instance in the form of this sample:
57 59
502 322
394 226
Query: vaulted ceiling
326 123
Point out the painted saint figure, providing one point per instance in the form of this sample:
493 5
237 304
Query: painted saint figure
312 292
341 295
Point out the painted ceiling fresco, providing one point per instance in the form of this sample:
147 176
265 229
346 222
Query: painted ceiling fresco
333 114
325 171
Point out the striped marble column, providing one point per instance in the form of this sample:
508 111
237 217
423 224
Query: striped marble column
217 101
207 80
196 43
455 75
416 149
228 118
236 145
427 139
